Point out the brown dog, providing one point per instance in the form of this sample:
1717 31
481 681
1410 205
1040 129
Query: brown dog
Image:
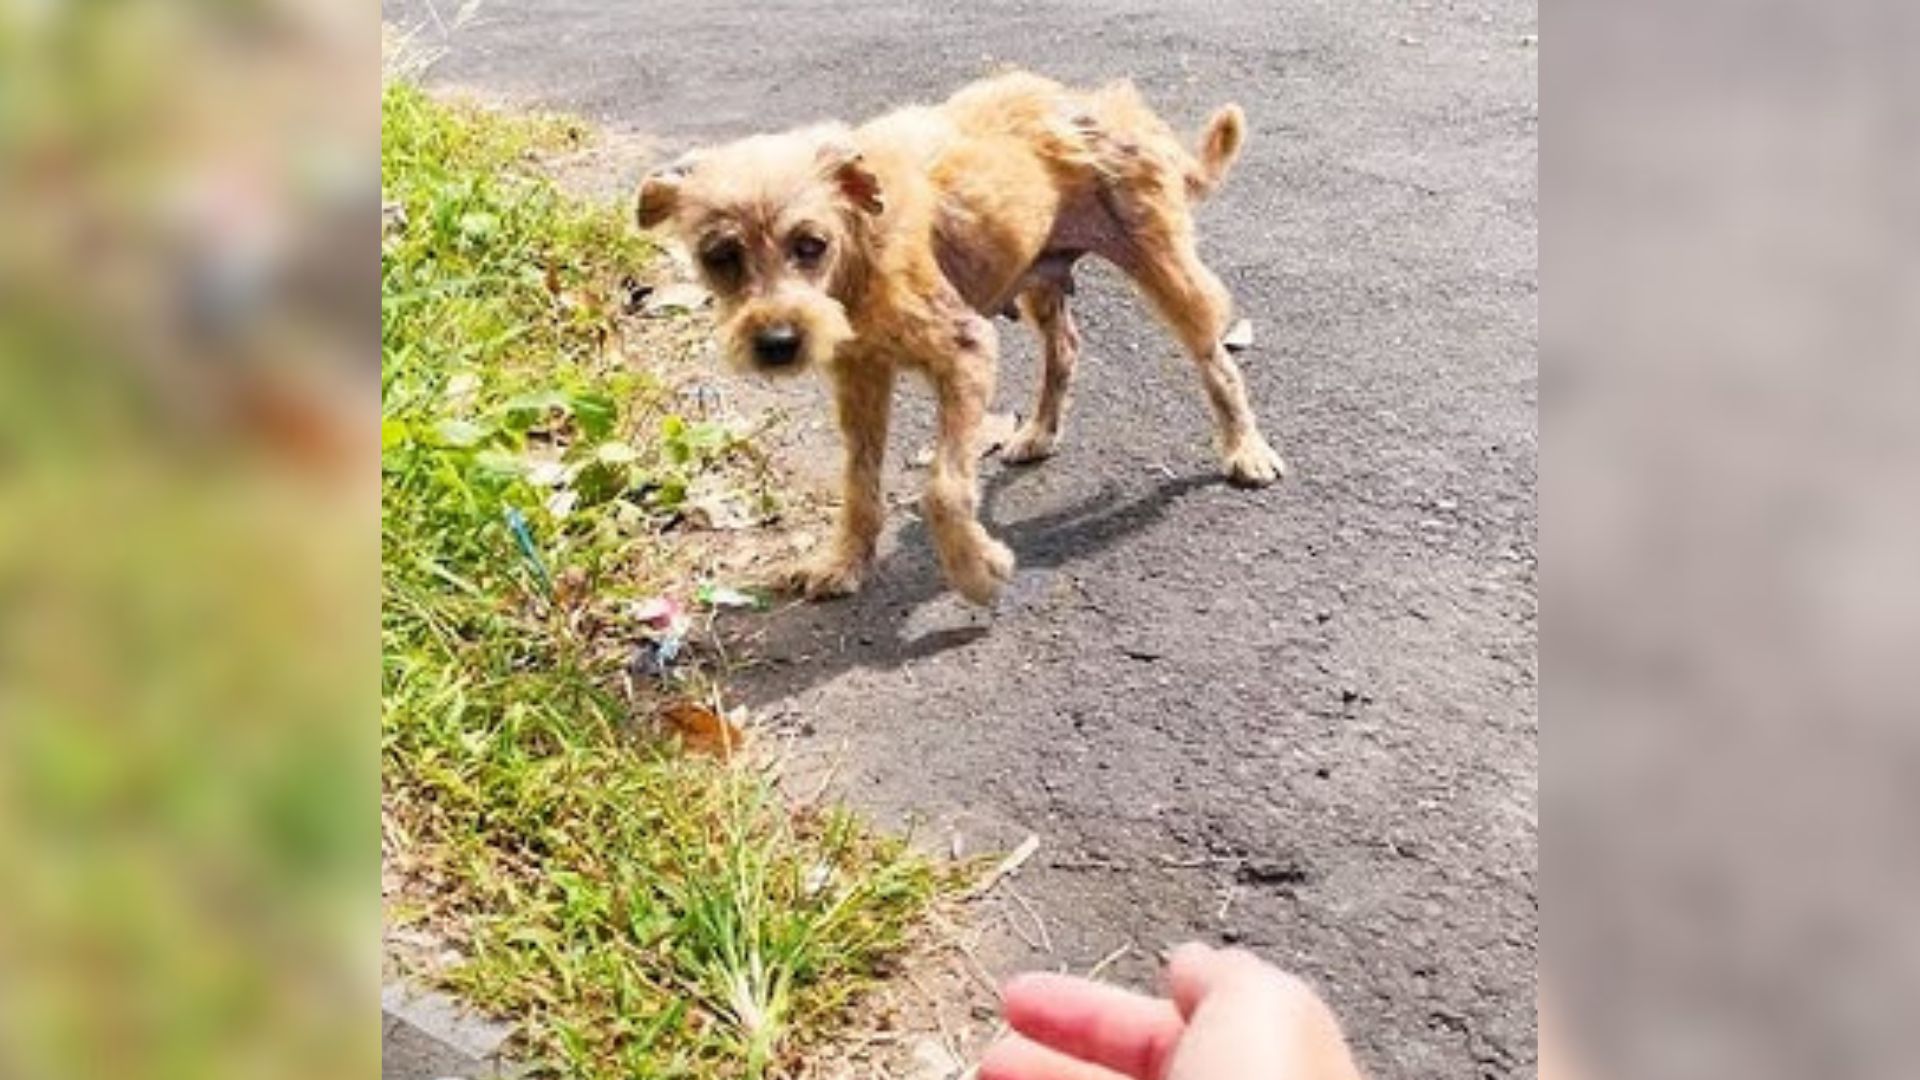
868 250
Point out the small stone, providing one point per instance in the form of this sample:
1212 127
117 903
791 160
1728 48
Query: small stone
679 298
996 430
717 512
1239 337
634 293
818 879
932 1061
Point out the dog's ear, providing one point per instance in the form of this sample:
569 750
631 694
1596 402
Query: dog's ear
841 162
660 192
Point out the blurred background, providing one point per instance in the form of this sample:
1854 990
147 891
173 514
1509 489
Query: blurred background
1731 528
189 200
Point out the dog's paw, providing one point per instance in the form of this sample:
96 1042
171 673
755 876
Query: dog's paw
980 573
824 577
1030 444
1253 463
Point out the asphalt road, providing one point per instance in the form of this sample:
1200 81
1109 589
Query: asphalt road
1303 718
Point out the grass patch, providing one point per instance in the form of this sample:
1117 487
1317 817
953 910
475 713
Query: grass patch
639 913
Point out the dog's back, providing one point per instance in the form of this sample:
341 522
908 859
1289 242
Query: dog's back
1013 170
1107 131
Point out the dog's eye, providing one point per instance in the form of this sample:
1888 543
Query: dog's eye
809 249
721 260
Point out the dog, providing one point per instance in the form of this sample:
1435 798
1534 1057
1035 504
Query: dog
862 252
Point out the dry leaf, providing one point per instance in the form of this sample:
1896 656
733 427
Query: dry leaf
701 730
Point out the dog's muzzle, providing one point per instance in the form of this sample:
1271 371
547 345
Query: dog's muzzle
776 346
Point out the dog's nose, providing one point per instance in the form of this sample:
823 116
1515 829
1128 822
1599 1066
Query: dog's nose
777 346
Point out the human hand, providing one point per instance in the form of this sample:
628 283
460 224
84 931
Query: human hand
1230 1016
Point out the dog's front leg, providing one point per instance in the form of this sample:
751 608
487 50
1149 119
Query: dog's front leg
975 563
863 399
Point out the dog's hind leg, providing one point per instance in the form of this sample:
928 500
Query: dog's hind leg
1195 306
1045 306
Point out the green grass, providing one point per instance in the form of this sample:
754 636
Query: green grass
637 912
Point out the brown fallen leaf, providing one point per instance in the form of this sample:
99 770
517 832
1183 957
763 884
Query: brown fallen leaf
702 730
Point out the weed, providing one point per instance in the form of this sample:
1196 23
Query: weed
638 913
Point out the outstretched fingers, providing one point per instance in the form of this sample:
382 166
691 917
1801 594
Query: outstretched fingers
1128 1033
1018 1058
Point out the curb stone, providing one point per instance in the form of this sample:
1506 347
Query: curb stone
426 1035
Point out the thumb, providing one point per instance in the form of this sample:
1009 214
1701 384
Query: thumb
1246 1018
1196 971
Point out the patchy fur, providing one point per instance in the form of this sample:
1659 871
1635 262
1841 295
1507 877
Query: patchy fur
859 252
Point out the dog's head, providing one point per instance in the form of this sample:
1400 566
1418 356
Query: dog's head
778 227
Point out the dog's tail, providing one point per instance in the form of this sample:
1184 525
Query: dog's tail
1220 143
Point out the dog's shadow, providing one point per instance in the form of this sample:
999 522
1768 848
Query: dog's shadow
807 644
